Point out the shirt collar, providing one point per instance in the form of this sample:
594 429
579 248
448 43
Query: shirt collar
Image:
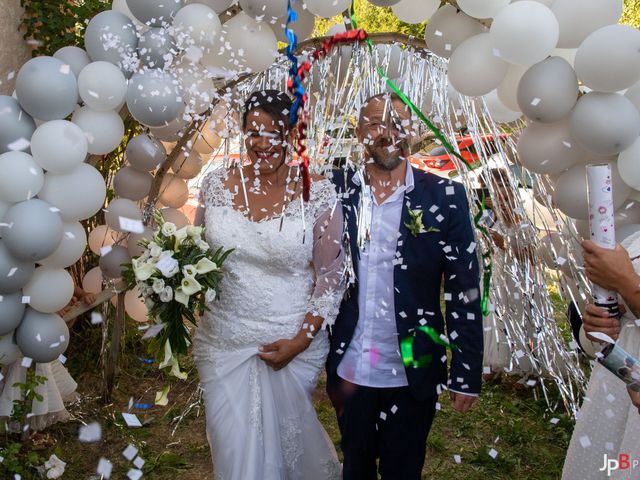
409 181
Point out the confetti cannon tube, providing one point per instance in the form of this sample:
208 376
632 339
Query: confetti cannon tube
601 226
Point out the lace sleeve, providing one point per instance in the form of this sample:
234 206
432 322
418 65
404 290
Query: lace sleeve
212 193
328 257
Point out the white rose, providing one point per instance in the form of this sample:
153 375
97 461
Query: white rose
210 295
202 245
168 266
158 285
194 232
169 229
190 285
155 250
166 295
205 265
189 271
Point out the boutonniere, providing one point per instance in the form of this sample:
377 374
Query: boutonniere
416 226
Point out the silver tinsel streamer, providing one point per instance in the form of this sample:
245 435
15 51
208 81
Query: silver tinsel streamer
542 351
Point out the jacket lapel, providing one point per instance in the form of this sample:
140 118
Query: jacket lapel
411 201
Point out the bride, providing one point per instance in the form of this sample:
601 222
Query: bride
260 348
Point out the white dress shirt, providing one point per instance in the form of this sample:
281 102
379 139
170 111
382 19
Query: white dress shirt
373 357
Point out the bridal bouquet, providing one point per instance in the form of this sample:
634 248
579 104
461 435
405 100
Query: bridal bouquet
177 275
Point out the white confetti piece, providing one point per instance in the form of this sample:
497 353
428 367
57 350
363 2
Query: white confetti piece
585 442
134 474
131 420
105 467
26 362
130 452
493 453
554 421
96 318
383 415
139 462
90 433
457 458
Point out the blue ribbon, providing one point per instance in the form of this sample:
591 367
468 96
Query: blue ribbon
297 87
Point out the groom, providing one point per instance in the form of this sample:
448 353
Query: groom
410 238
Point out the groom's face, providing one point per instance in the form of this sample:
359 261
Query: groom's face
383 129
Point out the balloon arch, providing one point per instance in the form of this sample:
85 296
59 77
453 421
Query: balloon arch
533 86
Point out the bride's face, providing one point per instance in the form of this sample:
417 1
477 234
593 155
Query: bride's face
265 140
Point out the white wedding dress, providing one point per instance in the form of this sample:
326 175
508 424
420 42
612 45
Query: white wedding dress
261 423
608 423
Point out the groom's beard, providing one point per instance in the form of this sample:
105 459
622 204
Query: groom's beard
388 152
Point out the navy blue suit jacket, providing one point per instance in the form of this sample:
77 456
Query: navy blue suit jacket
430 261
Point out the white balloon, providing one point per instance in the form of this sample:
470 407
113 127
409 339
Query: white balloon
9 351
218 6
547 148
448 28
170 132
102 86
525 32
482 8
104 130
198 87
569 54
578 18
102 236
195 25
629 165
21 178
384 3
327 9
264 9
72 246
499 112
92 281
59 146
255 40
605 123
134 306
474 70
49 290
608 60
64 191
75 57
411 11
508 89
633 94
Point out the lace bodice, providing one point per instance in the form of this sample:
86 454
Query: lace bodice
281 268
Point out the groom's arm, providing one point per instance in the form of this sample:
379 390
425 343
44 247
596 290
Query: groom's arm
462 297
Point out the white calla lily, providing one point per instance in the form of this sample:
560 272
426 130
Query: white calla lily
205 265
190 285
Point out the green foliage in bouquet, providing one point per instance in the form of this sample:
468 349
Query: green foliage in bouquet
177 275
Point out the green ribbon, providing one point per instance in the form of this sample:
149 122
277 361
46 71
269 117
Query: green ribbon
487 262
406 347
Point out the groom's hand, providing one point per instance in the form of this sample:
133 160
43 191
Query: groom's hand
278 354
461 402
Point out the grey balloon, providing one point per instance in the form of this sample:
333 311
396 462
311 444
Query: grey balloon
33 230
605 123
111 262
16 125
145 153
9 351
548 91
111 37
14 273
154 97
46 88
119 209
132 184
154 12
42 336
11 312
75 57
153 46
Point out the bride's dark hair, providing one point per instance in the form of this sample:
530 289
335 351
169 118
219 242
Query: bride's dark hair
274 102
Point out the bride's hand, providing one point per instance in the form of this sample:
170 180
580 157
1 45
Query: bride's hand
278 354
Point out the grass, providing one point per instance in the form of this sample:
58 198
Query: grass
507 419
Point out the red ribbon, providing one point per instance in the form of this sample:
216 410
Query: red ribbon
328 44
